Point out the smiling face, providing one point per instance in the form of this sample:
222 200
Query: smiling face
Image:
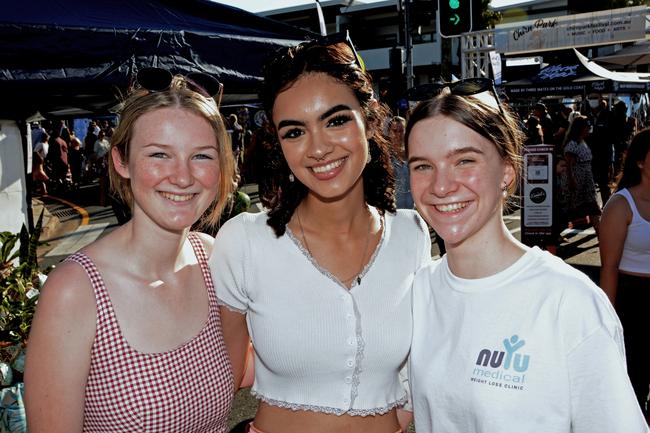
457 179
322 131
173 167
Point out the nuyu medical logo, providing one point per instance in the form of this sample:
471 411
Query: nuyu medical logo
503 368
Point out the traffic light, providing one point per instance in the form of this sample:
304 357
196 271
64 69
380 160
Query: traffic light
455 17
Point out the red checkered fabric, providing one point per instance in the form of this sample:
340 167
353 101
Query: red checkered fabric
188 389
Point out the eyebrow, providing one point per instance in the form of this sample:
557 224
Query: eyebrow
325 115
167 146
453 152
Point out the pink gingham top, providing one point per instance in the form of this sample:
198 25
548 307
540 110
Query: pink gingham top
188 389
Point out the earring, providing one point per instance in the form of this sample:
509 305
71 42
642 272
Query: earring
504 191
291 178
369 158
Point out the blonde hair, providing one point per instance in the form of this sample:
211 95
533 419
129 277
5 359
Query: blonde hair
178 95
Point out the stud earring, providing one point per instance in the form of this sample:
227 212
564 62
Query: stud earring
291 178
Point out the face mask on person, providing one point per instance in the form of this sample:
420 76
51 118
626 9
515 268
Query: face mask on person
593 103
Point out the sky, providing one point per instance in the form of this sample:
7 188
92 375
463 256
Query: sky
265 5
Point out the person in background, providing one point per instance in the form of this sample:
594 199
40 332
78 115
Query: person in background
601 142
43 146
321 281
403 197
126 336
100 165
580 176
624 242
58 158
506 338
39 177
545 121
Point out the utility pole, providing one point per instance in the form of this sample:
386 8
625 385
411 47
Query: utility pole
408 44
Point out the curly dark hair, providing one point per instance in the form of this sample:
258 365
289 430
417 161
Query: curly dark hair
281 196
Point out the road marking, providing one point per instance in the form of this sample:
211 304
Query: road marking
85 218
586 232
78 239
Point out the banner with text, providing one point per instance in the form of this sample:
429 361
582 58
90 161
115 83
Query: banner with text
593 28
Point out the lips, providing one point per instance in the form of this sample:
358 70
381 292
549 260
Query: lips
328 167
451 207
177 197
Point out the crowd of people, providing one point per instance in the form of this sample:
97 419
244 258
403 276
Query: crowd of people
590 144
353 326
61 161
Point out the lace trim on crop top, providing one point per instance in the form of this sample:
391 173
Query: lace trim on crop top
331 410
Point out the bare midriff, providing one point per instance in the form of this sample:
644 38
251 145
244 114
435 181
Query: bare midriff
273 419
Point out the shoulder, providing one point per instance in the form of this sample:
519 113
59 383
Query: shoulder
241 230
206 241
426 275
618 206
407 219
583 307
68 290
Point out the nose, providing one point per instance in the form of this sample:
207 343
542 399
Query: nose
182 174
320 146
443 183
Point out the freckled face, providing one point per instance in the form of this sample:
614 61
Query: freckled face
173 167
322 131
457 177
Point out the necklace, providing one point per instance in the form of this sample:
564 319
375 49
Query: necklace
365 249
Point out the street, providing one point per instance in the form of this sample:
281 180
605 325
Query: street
79 221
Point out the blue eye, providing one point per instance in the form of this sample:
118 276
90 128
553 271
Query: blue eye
203 156
158 155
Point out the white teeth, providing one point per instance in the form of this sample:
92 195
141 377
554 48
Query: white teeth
177 197
450 207
329 167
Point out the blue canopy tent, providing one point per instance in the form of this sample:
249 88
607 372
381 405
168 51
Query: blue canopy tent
75 57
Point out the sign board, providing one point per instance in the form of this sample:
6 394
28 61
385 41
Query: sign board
580 30
537 190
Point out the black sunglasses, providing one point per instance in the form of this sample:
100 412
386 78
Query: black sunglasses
158 80
338 38
464 87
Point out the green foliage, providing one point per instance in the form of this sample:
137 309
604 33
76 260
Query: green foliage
19 285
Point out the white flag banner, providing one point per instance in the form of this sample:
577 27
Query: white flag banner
580 30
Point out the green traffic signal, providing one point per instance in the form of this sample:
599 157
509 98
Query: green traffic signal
455 17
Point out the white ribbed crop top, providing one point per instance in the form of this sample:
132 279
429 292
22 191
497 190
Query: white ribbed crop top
636 250
318 345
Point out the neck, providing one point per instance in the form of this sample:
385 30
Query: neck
338 216
151 250
485 257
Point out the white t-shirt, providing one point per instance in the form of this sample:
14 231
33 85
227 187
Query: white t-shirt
318 345
534 348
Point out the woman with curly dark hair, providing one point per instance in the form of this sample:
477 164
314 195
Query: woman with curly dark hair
321 281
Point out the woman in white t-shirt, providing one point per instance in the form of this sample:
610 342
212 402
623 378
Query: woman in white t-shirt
321 282
506 338
625 256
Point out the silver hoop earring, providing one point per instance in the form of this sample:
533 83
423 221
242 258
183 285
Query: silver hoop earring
291 178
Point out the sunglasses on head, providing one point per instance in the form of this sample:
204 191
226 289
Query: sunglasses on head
464 87
339 38
159 80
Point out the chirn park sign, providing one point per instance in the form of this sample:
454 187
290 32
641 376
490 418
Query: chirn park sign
594 28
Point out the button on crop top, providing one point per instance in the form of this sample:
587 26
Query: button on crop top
318 345
636 249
